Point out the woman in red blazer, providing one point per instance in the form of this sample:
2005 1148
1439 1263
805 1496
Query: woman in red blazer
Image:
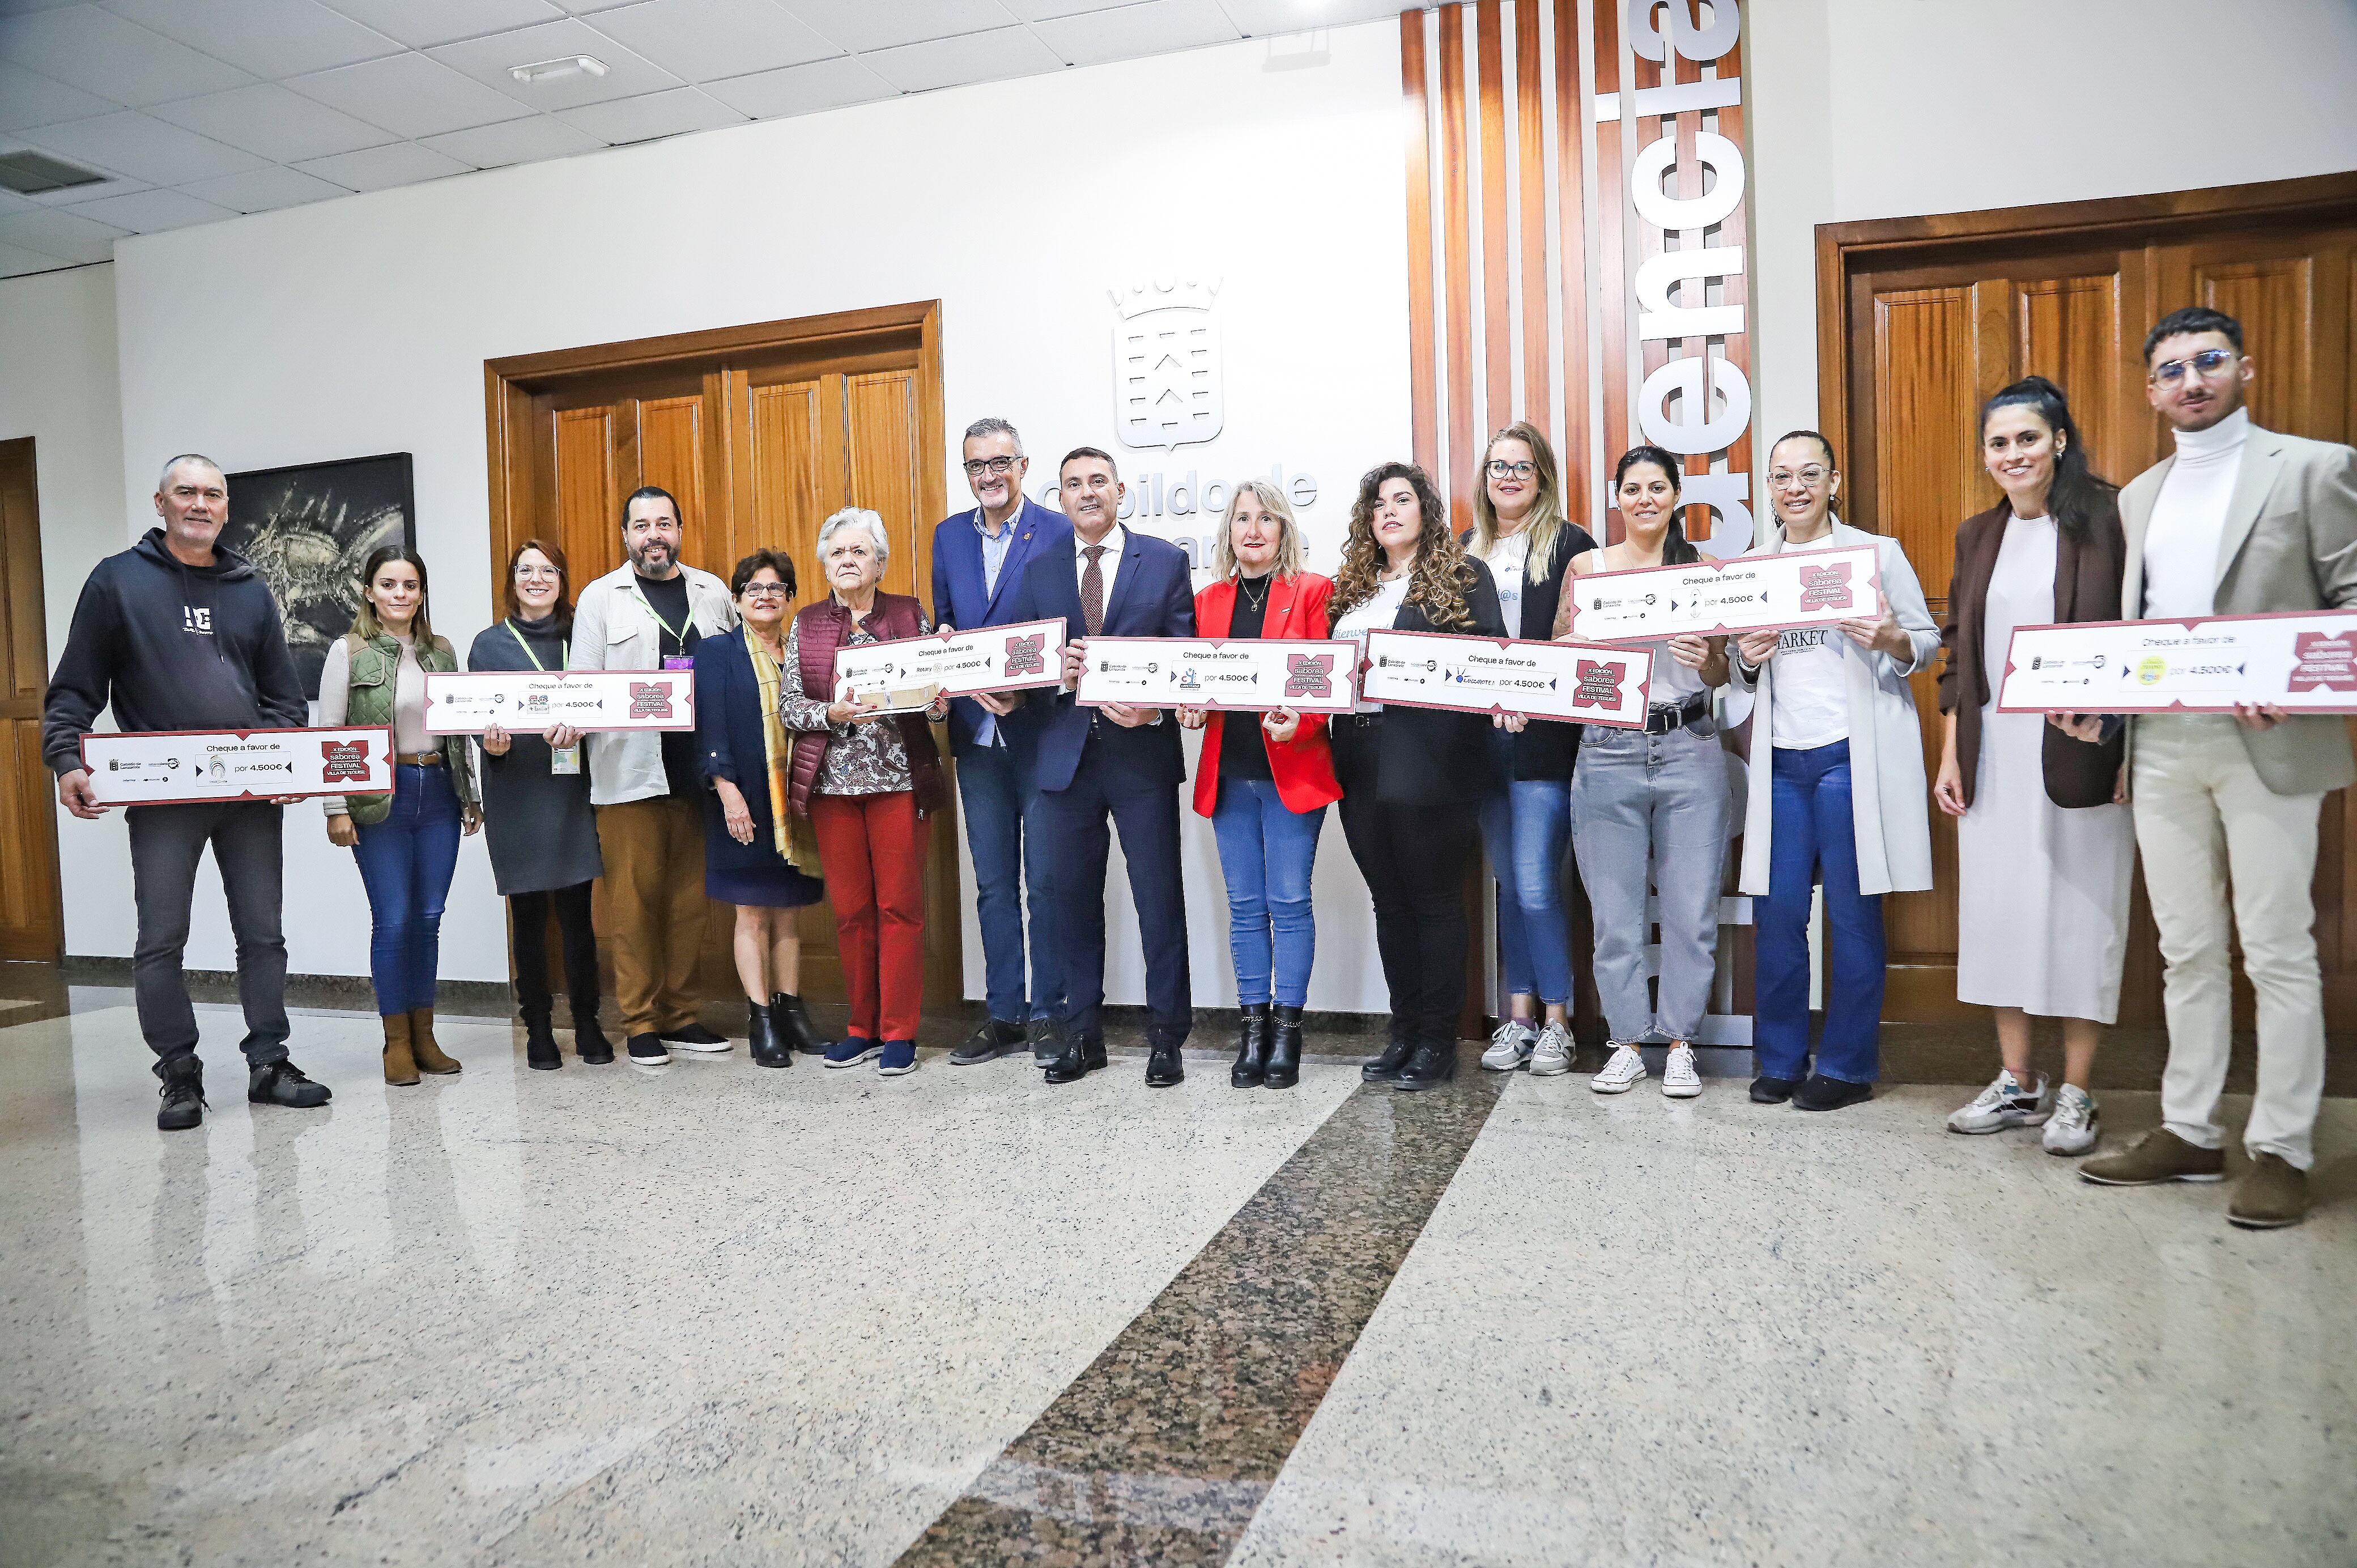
1265 785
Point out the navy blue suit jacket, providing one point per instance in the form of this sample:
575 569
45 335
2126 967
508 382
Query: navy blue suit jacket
1153 595
960 599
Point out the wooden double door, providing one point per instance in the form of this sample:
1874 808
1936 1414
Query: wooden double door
761 433
1920 319
32 923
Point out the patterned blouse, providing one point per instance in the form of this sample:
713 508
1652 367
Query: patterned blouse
862 758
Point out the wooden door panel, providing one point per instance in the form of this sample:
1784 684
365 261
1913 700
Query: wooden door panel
2275 300
671 435
880 424
789 448
589 498
2070 335
1924 399
32 921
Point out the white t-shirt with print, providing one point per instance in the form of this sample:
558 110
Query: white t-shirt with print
1811 686
1508 558
1374 615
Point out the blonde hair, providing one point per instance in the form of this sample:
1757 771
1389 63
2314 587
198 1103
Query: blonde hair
1292 550
1543 524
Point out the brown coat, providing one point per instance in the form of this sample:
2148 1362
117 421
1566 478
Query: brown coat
2086 587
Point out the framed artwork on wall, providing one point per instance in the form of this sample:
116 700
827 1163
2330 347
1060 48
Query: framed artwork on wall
308 529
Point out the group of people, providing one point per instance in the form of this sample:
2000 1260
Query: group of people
783 794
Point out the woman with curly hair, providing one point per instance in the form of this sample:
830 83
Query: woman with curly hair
1412 779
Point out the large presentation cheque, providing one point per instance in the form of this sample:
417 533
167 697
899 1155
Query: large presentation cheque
175 768
1746 593
1248 675
2305 660
1594 684
525 702
906 676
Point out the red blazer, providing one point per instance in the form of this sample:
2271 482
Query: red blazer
1303 768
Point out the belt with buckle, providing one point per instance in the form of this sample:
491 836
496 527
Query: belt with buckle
1663 718
417 758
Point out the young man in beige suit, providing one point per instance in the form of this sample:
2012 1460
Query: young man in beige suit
2240 521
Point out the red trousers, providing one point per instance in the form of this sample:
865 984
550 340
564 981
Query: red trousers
872 850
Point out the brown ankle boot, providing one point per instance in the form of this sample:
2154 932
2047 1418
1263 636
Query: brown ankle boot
400 1061
431 1058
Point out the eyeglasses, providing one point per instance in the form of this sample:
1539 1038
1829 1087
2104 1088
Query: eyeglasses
1502 469
975 468
1809 478
767 590
2207 364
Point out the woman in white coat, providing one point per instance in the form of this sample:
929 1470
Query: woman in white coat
1837 794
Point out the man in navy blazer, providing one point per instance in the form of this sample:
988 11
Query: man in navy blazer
1117 762
979 556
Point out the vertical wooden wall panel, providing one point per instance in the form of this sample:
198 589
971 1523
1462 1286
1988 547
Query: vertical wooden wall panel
1457 483
1416 116
1497 268
1571 250
1611 254
1530 151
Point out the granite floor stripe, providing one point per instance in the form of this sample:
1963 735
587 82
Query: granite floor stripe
1161 1451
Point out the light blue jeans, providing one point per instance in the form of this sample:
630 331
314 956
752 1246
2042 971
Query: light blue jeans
1526 828
1653 808
1267 854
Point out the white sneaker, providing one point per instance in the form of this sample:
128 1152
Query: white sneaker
2004 1103
2071 1128
1679 1080
1621 1073
1509 1047
1551 1055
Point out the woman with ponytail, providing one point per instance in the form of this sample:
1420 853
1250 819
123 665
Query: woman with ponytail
1649 808
2044 851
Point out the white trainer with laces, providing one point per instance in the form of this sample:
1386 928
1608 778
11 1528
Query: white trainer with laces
1552 1057
2070 1130
1510 1046
2004 1103
1679 1080
1622 1073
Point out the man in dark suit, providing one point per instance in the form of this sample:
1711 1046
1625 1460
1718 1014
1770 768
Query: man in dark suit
1116 762
979 556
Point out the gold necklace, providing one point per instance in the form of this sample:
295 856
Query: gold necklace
1259 604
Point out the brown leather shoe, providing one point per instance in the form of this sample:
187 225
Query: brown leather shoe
2272 1194
400 1061
431 1058
2160 1155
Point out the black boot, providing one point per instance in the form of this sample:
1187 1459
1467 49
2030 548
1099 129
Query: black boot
1284 1048
1252 1029
1434 1063
768 1047
540 1052
589 1041
792 1021
1385 1067
183 1093
1083 1054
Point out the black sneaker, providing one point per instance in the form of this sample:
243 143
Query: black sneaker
1434 1064
283 1083
1046 1040
184 1098
647 1050
695 1038
994 1039
1767 1091
1823 1093
1385 1069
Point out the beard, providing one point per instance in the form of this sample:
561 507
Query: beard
652 556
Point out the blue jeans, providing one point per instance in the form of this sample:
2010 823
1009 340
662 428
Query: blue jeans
406 861
1267 854
998 787
1812 834
1526 830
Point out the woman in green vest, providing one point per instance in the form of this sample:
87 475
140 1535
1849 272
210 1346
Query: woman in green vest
406 843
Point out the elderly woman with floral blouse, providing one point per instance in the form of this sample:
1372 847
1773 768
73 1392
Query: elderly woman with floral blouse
866 780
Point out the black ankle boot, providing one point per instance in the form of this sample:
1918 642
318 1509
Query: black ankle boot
769 1047
589 1041
1386 1067
1251 1046
540 1052
1284 1048
792 1021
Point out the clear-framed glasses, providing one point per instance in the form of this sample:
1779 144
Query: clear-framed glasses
2207 364
539 574
1809 478
766 590
975 468
1502 469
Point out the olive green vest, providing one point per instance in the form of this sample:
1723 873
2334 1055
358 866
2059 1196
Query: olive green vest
376 672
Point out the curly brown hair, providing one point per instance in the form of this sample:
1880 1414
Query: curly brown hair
1439 577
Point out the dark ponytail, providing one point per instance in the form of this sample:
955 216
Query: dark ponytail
2077 494
1677 549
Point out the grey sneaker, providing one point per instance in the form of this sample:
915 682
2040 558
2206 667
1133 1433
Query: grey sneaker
1510 1046
2004 1103
2070 1130
1550 1057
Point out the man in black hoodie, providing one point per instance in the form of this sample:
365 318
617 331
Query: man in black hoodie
180 636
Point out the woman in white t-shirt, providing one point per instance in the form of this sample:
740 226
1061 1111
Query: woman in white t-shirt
1837 794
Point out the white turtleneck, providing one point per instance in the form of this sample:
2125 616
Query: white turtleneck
2188 517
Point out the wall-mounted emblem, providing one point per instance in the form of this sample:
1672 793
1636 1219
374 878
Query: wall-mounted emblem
1168 372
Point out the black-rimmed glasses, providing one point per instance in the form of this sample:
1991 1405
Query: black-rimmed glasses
975 468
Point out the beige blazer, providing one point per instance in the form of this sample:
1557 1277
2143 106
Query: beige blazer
614 628
2290 544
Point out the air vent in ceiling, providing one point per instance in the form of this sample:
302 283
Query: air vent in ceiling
35 174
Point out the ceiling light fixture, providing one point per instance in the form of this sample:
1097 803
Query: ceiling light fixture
557 70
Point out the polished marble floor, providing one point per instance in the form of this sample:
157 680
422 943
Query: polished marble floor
724 1316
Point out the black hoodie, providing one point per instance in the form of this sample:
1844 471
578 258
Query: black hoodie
172 646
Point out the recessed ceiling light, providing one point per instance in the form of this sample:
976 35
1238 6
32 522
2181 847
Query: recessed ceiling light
554 69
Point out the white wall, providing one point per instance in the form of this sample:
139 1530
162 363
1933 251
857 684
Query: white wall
57 381
361 326
1896 108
